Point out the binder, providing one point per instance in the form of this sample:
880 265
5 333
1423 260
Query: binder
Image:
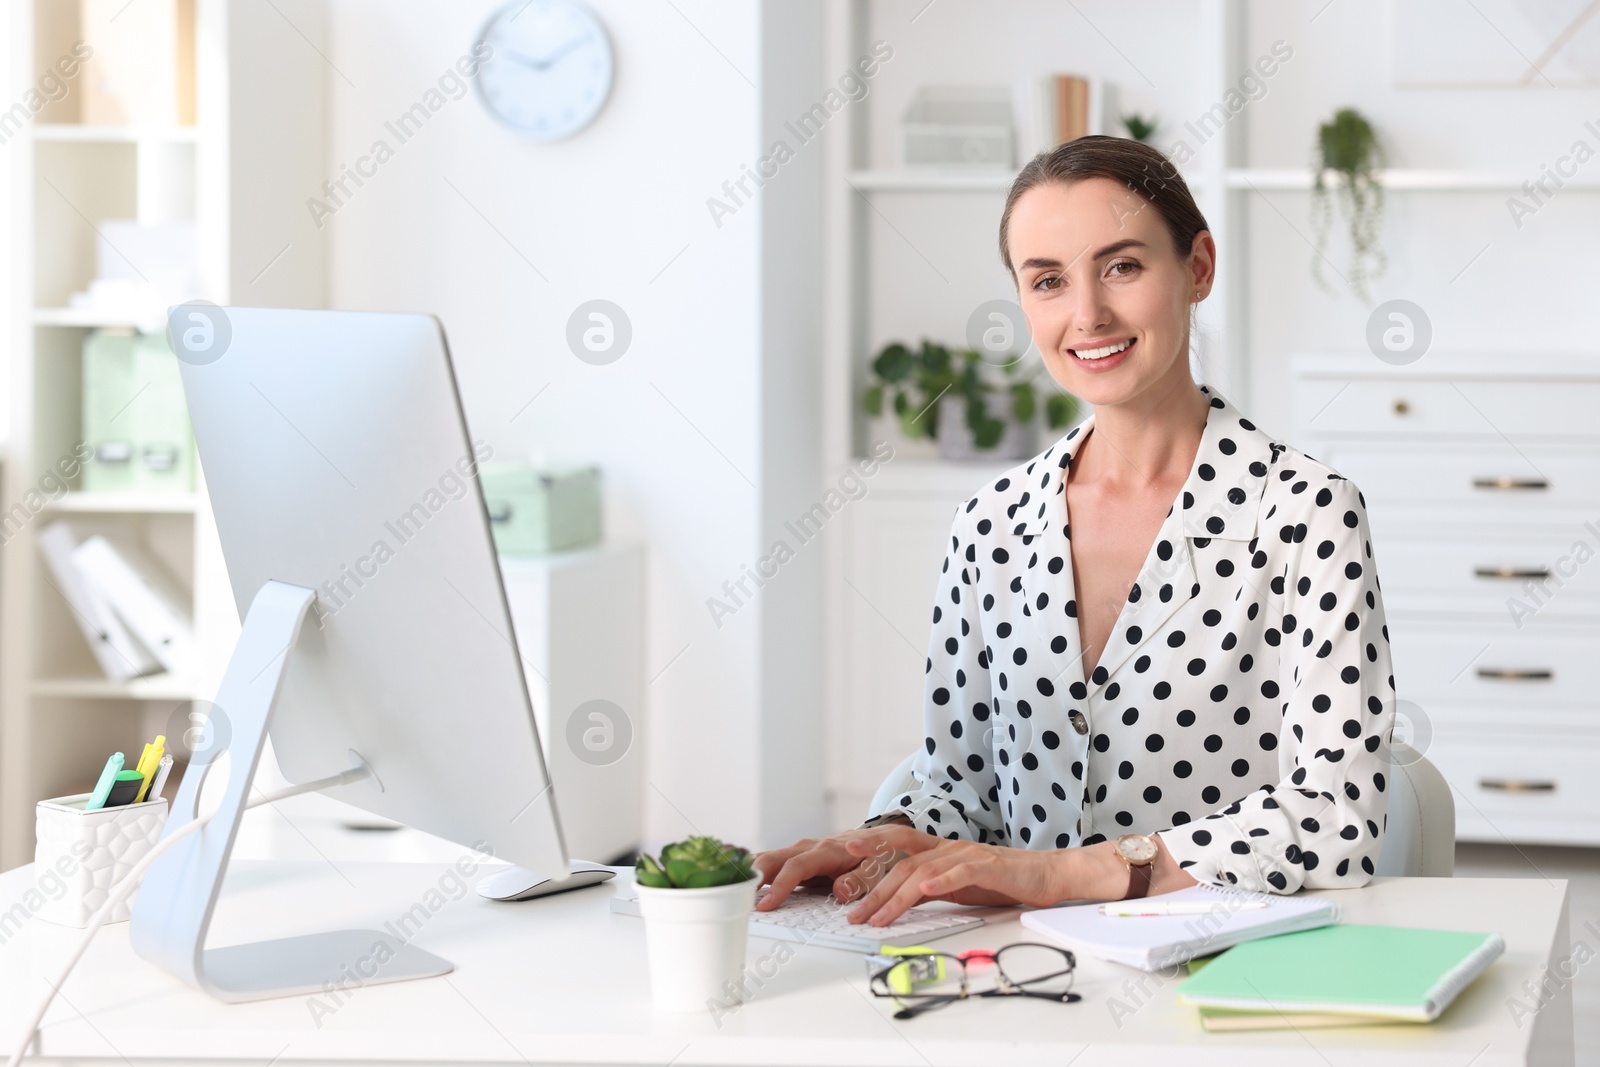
144 596
1389 973
119 653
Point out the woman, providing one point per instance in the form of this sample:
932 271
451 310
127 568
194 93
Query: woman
1189 679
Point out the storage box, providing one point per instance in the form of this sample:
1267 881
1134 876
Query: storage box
135 417
959 127
81 854
533 511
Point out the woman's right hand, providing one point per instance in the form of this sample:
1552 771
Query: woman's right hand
821 861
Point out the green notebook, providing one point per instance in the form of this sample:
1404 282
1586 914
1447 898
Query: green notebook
1381 972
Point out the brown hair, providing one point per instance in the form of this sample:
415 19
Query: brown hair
1135 164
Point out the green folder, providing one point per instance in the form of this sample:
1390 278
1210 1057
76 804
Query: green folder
1380 972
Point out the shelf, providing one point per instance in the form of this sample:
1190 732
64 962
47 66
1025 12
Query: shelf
946 478
1398 179
127 503
81 319
155 687
63 131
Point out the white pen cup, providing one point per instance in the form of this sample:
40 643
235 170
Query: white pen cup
81 854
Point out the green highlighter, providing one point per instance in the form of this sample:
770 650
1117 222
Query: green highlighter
124 789
102 788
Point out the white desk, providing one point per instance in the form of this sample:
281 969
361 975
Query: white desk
563 981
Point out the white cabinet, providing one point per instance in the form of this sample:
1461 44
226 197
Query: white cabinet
579 620
1482 481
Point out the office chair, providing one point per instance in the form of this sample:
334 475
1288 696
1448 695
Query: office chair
1419 837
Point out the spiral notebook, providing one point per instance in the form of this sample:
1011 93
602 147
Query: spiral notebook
1153 942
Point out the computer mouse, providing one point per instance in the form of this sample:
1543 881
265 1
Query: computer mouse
517 883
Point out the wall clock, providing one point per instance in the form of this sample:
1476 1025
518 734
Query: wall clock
551 68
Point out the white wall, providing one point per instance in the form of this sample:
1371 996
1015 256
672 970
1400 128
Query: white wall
503 238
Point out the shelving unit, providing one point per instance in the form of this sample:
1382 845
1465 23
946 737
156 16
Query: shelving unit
882 568
59 715
910 252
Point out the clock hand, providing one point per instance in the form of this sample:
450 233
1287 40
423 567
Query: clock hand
563 50
526 61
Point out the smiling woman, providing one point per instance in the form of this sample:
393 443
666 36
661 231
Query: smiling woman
1159 652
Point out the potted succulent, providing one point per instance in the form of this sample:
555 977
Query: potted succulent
696 901
1348 146
920 382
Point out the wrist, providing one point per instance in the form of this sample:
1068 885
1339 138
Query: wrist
1094 872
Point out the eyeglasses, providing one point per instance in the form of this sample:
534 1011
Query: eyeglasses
931 980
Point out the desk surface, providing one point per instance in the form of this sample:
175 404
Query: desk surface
562 980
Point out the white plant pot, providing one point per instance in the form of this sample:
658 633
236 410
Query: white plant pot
695 939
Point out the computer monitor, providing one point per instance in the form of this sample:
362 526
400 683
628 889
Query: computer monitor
376 632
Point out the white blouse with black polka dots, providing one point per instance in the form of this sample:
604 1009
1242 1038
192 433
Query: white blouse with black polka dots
1241 704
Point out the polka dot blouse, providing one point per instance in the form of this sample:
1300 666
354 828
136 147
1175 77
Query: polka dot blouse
1240 704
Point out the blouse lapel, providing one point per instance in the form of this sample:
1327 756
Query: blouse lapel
1220 498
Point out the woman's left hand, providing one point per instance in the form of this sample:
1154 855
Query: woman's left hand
959 871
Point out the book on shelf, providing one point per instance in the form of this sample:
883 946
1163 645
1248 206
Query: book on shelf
1070 106
144 596
118 651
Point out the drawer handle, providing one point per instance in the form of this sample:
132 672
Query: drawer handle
1512 572
1518 673
1401 407
1512 785
1510 483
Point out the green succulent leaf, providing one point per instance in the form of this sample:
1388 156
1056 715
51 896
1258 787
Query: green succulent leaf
695 863
648 872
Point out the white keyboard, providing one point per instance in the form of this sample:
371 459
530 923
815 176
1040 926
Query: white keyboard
813 917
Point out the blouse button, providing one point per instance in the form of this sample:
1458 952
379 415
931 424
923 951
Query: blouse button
1079 723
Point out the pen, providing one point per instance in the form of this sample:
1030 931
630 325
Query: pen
147 766
102 788
1140 909
161 778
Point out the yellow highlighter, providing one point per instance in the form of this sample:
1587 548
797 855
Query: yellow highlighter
149 763
905 969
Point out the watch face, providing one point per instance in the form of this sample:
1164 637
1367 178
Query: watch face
551 67
1137 848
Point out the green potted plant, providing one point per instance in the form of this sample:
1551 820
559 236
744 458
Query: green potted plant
1140 128
696 901
919 382
1348 146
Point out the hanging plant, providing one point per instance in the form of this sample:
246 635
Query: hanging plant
1348 147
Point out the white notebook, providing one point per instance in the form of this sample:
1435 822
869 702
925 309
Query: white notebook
1153 942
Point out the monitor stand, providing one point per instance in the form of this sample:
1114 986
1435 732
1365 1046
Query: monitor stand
172 912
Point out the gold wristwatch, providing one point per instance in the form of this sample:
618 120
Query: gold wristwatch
1139 852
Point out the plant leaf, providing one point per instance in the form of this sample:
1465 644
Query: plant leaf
894 363
872 400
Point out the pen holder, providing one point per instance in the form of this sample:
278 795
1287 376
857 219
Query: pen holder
81 854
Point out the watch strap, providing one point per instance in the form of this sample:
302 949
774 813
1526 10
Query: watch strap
1139 876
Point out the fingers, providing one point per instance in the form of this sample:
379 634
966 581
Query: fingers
899 890
823 859
768 863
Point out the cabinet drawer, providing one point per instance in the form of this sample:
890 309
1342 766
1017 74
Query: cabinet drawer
1493 479
1421 407
1491 573
1516 674
1540 789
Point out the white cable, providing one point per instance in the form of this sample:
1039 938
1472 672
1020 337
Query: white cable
131 880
